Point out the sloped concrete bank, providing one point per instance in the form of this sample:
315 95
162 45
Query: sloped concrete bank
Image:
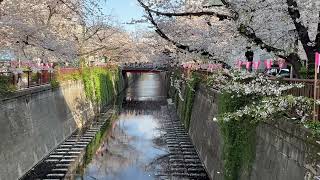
63 162
35 121
33 124
283 150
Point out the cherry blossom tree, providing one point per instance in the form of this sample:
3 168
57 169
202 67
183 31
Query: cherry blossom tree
221 29
54 30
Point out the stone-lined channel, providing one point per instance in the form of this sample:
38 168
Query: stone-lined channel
146 141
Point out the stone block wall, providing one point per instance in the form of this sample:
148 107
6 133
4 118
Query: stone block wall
205 133
33 122
284 150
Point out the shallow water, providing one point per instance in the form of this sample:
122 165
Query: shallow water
135 141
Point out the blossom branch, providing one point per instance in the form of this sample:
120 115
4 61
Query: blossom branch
250 34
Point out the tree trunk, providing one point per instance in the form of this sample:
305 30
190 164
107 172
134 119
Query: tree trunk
311 61
294 60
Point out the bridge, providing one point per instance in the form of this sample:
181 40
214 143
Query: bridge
137 68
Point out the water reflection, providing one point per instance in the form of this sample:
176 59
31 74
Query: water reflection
132 146
150 86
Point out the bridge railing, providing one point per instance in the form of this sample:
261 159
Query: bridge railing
142 66
28 79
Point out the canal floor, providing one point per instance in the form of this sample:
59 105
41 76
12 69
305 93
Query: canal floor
147 141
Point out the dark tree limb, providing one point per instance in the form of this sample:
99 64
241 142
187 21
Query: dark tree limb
27 42
301 29
177 14
317 45
249 33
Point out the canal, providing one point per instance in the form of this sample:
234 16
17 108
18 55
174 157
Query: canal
147 141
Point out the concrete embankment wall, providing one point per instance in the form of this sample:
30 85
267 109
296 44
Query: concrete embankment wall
34 122
283 150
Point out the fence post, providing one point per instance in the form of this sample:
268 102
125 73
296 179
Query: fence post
13 79
39 78
28 79
317 98
315 93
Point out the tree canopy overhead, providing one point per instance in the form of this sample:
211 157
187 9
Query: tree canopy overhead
289 29
60 30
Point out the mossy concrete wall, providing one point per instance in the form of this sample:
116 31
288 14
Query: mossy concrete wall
284 150
35 121
205 133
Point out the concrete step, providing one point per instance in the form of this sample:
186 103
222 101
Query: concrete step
65 145
196 170
70 143
59 152
52 160
188 149
173 146
185 143
93 130
194 165
176 165
62 165
85 138
70 157
56 175
176 160
55 156
83 142
67 160
178 169
80 145
190 156
74 152
186 146
192 161
71 140
189 152
62 149
60 170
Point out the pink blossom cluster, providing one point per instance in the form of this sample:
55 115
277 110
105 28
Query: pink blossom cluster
256 64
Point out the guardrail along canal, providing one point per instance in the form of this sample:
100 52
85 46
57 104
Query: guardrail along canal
147 141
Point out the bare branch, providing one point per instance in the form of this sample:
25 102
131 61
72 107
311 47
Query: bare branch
201 13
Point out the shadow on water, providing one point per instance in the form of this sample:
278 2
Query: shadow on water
135 145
